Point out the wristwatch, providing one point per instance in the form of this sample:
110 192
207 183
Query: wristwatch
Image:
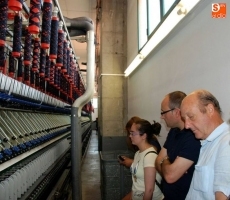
165 158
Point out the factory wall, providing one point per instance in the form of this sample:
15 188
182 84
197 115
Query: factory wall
195 55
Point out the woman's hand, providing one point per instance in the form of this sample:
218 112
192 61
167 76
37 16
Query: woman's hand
127 161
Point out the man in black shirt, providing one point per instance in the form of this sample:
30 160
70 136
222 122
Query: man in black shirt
180 152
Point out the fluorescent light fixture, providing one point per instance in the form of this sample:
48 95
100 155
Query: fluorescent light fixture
176 15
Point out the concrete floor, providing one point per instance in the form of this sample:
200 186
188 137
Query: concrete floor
91 171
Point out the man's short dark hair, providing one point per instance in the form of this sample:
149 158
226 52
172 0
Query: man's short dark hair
175 99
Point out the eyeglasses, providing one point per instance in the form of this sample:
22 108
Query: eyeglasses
133 133
164 112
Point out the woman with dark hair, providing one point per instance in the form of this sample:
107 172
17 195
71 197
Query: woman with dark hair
154 141
156 132
143 169
127 162
128 128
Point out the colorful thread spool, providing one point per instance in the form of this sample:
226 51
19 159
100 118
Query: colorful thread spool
75 78
2 58
36 54
17 35
59 62
3 21
11 65
59 79
34 17
70 67
69 52
46 24
55 76
27 74
19 72
78 79
54 34
32 78
47 68
27 47
42 84
42 62
52 67
64 66
37 80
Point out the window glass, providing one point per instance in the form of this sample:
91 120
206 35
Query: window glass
142 22
95 102
154 15
167 5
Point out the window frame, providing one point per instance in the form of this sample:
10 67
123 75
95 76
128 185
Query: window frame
163 17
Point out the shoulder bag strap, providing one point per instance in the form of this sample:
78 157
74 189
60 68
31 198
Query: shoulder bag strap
158 184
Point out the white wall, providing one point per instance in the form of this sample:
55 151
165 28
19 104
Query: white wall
195 55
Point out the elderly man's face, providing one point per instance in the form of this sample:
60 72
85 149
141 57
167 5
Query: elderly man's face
193 118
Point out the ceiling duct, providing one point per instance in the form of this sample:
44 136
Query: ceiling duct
79 26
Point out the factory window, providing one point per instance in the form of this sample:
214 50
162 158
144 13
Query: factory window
95 102
151 13
156 19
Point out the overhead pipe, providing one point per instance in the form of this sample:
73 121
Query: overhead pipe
78 26
76 140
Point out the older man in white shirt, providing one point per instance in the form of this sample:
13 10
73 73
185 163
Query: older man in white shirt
211 179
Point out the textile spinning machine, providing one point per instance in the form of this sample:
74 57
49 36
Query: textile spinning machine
44 106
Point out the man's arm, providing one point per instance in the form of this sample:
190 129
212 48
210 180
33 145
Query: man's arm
173 171
160 157
220 196
221 170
